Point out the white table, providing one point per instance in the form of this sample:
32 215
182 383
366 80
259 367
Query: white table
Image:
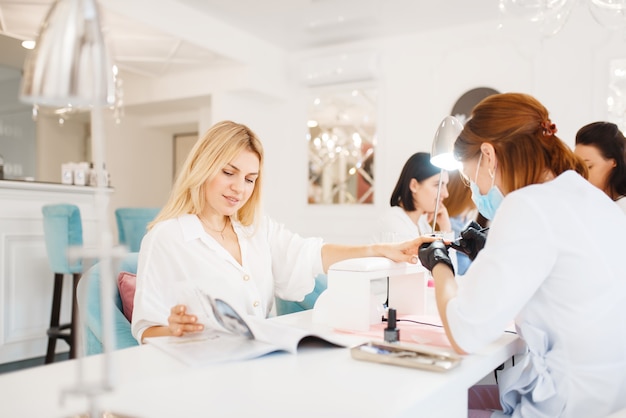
315 382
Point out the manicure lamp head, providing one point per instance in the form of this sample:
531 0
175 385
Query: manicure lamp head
442 153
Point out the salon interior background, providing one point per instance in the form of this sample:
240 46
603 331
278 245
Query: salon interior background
418 72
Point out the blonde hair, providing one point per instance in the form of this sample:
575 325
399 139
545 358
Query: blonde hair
210 154
520 131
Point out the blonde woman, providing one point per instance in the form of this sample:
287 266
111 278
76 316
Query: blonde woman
210 235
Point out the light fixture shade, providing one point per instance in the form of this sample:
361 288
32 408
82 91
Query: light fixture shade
443 144
70 65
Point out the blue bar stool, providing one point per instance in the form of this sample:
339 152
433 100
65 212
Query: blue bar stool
132 224
62 226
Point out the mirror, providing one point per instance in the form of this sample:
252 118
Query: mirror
33 148
18 147
342 139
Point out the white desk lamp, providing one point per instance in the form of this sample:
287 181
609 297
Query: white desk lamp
442 155
70 67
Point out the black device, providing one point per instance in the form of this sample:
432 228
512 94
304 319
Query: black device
392 333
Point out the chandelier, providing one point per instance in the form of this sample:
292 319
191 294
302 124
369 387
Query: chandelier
551 15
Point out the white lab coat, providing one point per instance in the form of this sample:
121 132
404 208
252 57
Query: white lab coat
178 258
553 262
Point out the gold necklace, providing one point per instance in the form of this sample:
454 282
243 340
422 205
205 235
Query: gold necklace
216 230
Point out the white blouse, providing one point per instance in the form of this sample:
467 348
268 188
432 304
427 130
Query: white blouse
621 202
553 262
179 261
396 226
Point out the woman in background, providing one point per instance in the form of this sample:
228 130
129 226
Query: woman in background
413 202
603 148
551 264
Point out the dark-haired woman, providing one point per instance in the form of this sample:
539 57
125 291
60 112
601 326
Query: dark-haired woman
413 202
603 148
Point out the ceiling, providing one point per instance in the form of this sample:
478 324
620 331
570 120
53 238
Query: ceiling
137 48
298 24
143 45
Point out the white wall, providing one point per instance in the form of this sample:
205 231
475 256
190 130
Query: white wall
422 77
140 162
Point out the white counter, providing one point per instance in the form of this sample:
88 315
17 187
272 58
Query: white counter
26 280
318 381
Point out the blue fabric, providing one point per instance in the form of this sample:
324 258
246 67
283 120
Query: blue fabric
285 307
463 261
90 307
62 228
131 225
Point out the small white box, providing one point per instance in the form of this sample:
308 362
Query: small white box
81 174
67 173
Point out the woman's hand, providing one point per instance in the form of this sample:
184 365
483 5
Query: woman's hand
180 323
443 219
404 251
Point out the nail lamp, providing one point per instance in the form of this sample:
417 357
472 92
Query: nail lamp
358 288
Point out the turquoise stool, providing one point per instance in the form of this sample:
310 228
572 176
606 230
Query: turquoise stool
132 224
62 227
90 308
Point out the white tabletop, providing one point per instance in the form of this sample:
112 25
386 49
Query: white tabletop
319 381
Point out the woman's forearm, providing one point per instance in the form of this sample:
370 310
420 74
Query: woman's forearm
333 253
155 331
445 289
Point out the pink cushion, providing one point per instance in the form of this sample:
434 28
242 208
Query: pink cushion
126 285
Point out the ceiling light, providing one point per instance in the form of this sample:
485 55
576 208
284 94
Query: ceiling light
552 15
70 63
28 44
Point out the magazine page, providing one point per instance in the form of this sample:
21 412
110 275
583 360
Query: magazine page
282 336
211 347
243 339
289 337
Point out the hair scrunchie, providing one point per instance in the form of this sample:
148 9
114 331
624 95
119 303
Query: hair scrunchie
548 127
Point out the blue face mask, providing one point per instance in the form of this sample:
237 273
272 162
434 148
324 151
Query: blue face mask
487 204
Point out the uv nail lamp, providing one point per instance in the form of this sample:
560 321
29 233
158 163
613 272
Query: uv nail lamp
358 289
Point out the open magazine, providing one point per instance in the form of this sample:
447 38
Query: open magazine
243 339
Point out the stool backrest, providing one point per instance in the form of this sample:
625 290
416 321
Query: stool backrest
132 224
62 228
